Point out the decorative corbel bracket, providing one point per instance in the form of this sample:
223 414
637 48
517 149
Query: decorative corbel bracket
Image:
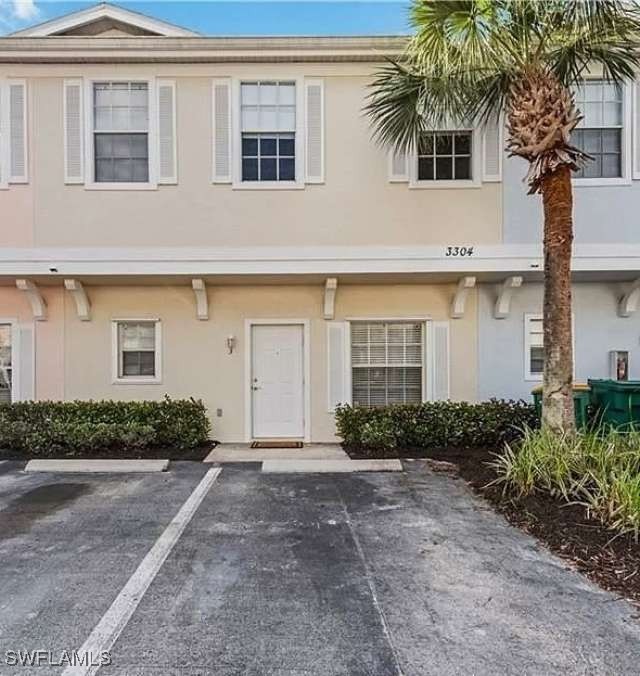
503 302
629 302
330 289
83 306
460 298
202 303
37 302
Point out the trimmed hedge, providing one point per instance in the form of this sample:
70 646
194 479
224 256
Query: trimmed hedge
46 428
436 424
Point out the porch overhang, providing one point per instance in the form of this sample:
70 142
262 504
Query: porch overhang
429 264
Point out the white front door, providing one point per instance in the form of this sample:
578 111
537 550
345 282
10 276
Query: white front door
277 380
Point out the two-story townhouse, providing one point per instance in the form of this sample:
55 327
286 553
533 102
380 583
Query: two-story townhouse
209 217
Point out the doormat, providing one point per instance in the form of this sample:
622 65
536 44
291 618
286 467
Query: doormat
277 444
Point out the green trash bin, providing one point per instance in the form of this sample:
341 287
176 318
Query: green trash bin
616 402
581 402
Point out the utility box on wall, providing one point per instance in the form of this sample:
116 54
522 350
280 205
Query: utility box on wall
619 364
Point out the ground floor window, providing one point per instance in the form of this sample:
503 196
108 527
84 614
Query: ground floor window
137 350
6 364
534 349
387 362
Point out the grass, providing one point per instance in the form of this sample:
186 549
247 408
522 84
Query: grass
599 470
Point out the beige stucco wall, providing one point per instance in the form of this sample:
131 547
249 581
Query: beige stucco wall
356 206
48 337
195 359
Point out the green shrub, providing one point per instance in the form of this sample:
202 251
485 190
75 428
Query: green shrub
78 427
598 469
436 424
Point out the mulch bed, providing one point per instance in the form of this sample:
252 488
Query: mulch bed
612 562
198 453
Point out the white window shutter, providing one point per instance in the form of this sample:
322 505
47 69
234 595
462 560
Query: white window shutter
4 145
73 132
636 129
492 151
398 167
339 367
167 151
221 92
18 172
25 370
440 362
314 130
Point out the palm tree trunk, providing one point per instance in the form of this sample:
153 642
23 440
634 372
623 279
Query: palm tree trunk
557 398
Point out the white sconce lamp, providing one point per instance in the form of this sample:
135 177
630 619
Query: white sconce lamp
231 343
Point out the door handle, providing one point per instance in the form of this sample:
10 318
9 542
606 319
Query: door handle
256 387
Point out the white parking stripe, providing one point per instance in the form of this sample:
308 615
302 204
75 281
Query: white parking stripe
116 618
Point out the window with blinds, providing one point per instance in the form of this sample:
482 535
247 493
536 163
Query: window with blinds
137 349
534 347
387 362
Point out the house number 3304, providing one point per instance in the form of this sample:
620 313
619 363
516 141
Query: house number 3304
459 251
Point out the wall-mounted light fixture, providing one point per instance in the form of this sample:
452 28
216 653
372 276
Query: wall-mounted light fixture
231 343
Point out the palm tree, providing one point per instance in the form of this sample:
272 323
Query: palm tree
474 60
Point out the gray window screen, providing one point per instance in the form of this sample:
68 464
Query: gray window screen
136 349
121 132
268 115
387 363
600 132
445 156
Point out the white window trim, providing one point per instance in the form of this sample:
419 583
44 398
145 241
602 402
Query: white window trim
625 146
537 377
115 354
236 141
89 168
425 354
5 158
476 166
15 357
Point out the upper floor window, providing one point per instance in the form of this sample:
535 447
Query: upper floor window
387 363
268 119
600 132
121 132
445 156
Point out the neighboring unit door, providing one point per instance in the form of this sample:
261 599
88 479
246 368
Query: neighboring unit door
6 363
277 380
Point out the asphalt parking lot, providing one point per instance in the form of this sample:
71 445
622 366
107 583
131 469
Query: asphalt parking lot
380 574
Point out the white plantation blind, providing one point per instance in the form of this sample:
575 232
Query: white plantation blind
492 155
25 372
221 92
387 362
73 132
398 167
167 132
441 361
18 132
4 173
339 388
314 131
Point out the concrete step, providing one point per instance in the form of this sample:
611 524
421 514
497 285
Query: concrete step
241 453
92 466
329 466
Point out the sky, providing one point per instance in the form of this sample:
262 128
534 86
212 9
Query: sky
237 17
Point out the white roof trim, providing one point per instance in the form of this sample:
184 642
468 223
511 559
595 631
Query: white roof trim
103 11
